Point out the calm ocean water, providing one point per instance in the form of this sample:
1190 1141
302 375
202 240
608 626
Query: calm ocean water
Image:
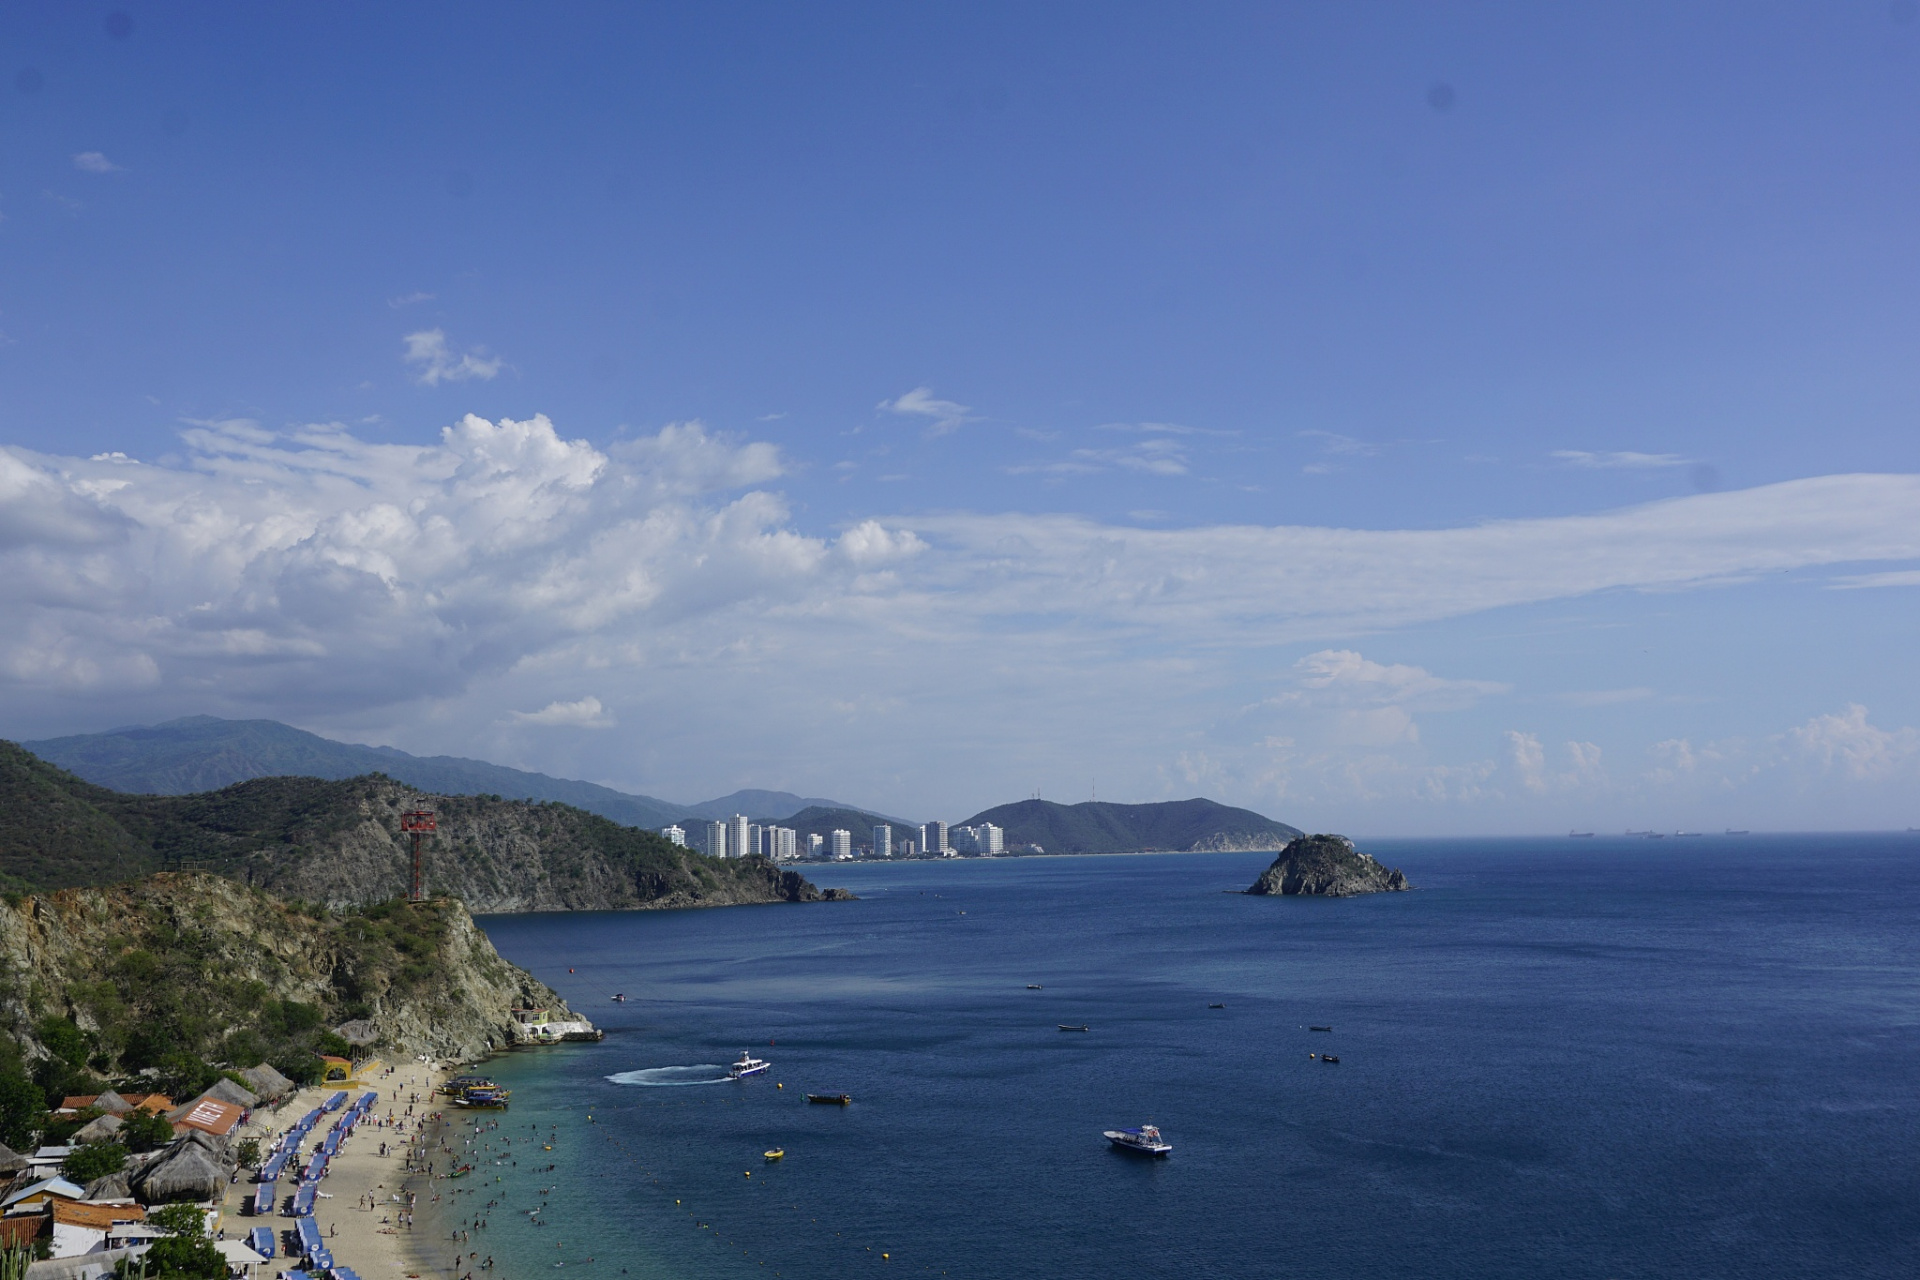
1603 1058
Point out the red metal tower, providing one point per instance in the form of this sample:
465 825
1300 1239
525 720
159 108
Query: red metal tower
417 823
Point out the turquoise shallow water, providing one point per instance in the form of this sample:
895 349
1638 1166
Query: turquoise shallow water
1601 1058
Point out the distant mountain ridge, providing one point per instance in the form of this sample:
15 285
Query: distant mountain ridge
206 753
338 843
1188 826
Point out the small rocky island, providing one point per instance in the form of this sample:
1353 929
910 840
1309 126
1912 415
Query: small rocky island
1326 866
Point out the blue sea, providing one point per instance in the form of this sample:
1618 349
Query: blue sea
1569 1058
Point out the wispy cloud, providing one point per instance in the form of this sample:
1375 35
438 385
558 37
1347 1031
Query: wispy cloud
585 713
944 415
435 362
408 300
1603 697
94 162
1354 701
1332 442
1866 581
1620 461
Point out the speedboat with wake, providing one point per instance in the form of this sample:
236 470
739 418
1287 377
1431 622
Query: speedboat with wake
1145 1140
748 1066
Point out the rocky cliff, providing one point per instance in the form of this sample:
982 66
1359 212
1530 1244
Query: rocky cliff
1326 866
197 964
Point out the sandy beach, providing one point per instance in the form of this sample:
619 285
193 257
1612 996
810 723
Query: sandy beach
362 1199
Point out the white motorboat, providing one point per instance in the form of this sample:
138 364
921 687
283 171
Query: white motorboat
1146 1140
748 1066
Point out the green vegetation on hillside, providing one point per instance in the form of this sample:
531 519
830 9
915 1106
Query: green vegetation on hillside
171 982
55 830
1098 827
339 841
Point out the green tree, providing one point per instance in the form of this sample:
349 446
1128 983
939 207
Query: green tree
184 1253
248 1152
95 1160
23 1110
145 1130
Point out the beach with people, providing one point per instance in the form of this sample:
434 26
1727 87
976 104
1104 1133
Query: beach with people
365 1206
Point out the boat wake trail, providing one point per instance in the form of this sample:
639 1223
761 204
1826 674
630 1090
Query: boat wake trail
669 1077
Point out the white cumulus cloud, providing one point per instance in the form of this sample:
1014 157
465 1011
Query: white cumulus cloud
94 162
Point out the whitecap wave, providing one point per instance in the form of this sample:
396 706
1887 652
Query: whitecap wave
658 1077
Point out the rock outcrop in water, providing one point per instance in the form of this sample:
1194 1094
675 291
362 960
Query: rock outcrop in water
1327 866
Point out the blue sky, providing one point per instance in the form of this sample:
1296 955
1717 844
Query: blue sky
1396 418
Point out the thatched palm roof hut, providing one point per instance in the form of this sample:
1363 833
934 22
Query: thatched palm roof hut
98 1129
11 1161
112 1187
111 1103
186 1172
225 1090
267 1082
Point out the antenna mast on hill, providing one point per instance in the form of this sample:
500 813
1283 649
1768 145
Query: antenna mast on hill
417 823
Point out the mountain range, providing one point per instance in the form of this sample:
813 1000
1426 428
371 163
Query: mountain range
340 844
205 753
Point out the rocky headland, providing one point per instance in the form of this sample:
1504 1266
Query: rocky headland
1327 866
192 962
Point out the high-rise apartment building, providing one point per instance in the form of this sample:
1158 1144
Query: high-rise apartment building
934 838
716 839
989 839
675 834
757 841
738 830
815 843
842 845
781 843
883 841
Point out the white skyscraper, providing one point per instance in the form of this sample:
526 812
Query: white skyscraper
783 843
716 839
757 841
883 841
675 835
989 839
737 836
842 846
934 838
815 842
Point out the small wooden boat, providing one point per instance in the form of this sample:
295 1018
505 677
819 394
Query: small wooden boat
774 1154
833 1099
1327 1057
1319 1028
1082 1027
1034 986
1216 1006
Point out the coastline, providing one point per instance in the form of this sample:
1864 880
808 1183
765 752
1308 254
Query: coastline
364 1193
